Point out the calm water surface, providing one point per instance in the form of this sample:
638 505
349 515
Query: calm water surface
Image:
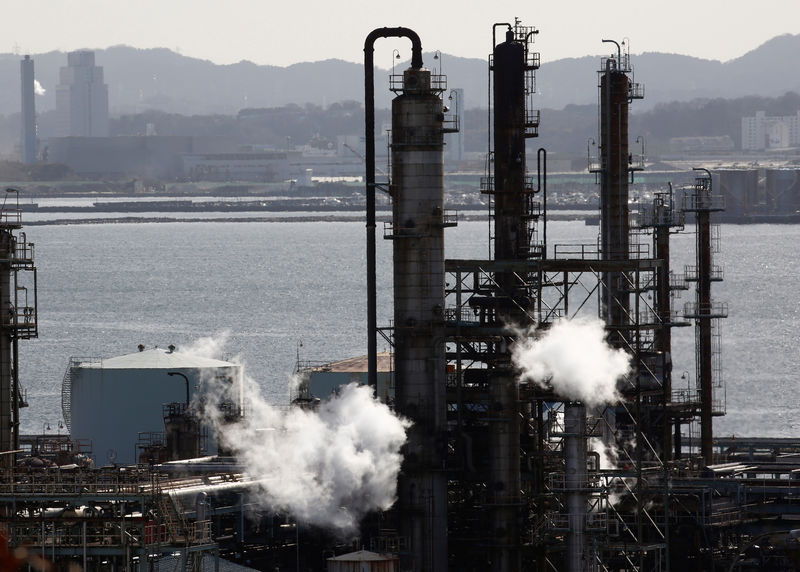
104 289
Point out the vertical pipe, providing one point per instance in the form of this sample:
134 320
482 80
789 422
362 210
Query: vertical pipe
541 157
704 357
663 216
575 484
7 319
15 396
83 541
369 119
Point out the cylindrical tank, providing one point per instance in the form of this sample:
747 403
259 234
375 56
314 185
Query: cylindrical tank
418 235
110 401
740 189
783 190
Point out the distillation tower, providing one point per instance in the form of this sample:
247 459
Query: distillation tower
487 308
417 231
705 312
520 458
505 474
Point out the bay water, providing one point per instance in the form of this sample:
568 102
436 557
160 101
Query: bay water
280 289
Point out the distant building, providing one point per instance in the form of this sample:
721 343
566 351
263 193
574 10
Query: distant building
762 132
28 122
149 157
262 167
132 155
702 143
81 98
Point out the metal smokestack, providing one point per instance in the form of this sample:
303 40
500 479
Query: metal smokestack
28 120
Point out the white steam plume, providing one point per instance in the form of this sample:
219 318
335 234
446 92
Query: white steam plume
574 359
327 467
37 88
209 347
608 454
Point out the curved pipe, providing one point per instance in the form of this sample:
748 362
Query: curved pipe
186 379
494 31
706 171
619 51
369 119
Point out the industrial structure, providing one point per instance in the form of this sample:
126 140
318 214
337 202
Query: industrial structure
500 472
529 485
28 111
94 389
18 296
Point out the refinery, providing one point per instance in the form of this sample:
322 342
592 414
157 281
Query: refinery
542 424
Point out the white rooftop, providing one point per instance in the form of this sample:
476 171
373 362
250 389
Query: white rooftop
157 358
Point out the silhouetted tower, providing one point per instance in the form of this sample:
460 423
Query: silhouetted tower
17 318
705 311
81 98
663 218
417 231
616 93
514 215
28 119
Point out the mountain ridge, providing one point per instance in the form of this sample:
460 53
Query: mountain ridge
161 79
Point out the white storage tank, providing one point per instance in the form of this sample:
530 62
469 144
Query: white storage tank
110 401
323 380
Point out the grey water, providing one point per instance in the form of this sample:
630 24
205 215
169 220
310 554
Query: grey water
105 288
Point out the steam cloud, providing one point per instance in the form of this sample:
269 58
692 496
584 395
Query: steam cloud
37 88
327 467
574 359
608 455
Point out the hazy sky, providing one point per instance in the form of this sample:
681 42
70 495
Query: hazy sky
286 32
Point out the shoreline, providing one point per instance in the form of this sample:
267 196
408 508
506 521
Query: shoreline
260 219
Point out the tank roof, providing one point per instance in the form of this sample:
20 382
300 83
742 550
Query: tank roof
363 556
357 364
156 358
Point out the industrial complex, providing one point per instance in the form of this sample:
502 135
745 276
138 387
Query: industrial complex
547 431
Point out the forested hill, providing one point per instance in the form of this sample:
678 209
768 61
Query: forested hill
167 81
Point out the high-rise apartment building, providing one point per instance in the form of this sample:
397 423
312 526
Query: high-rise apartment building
82 98
764 132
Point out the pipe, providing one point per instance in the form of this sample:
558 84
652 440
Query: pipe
494 31
619 51
541 159
369 120
186 379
